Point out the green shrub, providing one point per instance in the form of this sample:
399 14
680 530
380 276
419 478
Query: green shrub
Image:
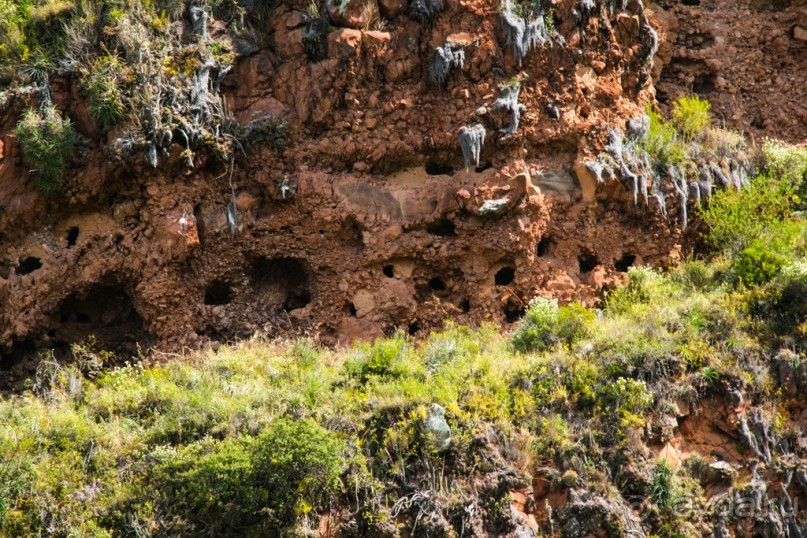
663 143
535 330
47 140
736 218
14 479
12 38
299 463
384 358
625 400
756 264
242 484
786 161
691 115
662 485
573 323
641 286
762 259
782 304
210 484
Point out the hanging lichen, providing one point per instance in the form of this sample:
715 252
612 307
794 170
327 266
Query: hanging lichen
525 31
472 138
509 101
446 58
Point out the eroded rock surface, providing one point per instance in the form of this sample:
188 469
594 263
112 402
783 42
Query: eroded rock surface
366 220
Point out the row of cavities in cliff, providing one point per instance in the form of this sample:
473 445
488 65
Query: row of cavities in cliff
364 220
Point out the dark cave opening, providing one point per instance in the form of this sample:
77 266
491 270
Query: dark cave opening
437 284
72 236
484 166
434 168
587 262
282 283
389 271
543 247
504 276
513 311
105 312
28 265
704 83
625 262
442 228
218 293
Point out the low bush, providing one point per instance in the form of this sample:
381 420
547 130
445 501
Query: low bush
535 332
736 218
384 358
249 484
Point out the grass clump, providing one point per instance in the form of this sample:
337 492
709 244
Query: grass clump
47 141
691 116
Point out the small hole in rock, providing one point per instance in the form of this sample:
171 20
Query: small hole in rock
296 300
512 311
437 284
443 228
543 247
218 293
351 309
587 262
72 236
623 263
504 276
414 327
704 84
486 166
439 169
465 306
28 265
389 271
691 2
282 282
81 317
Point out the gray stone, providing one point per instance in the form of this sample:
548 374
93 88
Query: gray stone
438 434
493 207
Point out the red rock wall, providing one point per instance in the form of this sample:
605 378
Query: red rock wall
384 230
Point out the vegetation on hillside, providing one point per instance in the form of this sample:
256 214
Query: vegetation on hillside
263 438
150 71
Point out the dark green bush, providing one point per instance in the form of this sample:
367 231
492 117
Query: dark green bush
736 218
241 486
765 256
299 463
210 486
47 141
782 304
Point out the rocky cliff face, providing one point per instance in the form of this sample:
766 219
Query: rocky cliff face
367 218
749 58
